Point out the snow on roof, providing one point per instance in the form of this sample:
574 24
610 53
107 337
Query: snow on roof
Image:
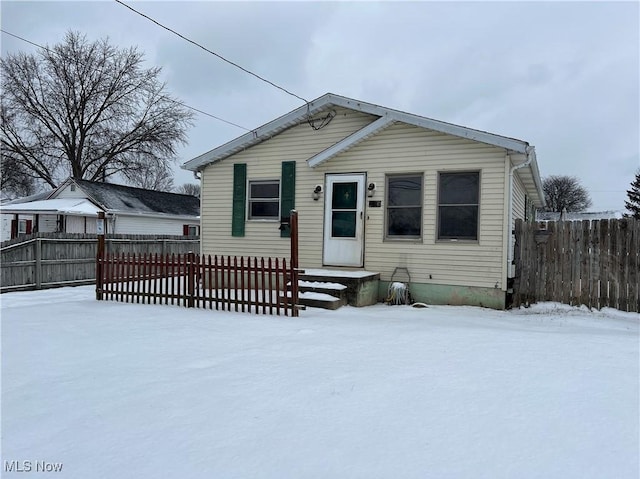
26 199
67 206
128 199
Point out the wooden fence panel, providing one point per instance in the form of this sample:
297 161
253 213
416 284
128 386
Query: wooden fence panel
579 263
46 260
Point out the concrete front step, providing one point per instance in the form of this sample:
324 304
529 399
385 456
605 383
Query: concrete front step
326 295
320 300
334 289
357 288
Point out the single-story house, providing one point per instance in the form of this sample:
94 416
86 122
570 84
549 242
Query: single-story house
74 205
376 190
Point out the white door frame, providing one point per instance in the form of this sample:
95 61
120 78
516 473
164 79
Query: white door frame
343 243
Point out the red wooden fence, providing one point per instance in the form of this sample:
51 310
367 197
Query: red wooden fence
227 283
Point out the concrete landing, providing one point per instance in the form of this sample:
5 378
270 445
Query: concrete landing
356 288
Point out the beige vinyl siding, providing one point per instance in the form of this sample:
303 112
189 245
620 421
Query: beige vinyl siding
264 161
400 148
519 196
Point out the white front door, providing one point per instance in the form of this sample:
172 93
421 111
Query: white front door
344 220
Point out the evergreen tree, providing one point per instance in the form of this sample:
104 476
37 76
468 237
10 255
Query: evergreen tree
633 205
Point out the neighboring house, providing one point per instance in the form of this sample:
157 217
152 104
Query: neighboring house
9 224
74 205
578 216
376 189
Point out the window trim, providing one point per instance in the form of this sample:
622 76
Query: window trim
403 238
188 228
475 240
250 200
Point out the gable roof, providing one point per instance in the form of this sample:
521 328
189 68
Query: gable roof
387 116
127 199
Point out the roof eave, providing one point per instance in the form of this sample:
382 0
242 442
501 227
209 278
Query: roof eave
298 115
258 135
350 141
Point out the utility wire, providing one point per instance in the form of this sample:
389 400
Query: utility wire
165 97
212 52
25 40
208 114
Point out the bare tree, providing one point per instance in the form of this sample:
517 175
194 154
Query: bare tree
15 181
154 176
192 189
87 110
565 192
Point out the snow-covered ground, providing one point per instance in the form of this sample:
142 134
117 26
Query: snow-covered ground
112 390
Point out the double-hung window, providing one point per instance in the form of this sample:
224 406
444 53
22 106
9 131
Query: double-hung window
264 200
404 206
458 205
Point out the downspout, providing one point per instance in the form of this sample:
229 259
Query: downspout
530 152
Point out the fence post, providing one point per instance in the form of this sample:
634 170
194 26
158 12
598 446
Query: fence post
191 280
517 262
38 266
100 229
294 262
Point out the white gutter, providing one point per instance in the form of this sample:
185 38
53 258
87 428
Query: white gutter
530 151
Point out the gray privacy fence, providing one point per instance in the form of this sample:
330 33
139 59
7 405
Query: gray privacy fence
47 260
591 263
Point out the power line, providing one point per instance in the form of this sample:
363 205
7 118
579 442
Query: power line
208 114
25 40
212 52
165 97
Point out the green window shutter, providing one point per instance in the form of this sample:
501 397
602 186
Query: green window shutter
239 199
287 193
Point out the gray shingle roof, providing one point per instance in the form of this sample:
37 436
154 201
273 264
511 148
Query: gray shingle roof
137 200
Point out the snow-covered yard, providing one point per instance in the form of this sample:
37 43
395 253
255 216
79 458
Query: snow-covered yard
116 390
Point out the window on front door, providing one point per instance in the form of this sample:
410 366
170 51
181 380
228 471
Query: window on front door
458 205
264 200
404 206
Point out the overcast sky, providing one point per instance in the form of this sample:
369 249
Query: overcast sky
562 76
